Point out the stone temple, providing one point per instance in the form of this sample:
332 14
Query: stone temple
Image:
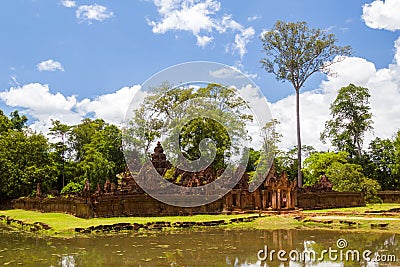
276 193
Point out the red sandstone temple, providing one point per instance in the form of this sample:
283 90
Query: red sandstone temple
276 192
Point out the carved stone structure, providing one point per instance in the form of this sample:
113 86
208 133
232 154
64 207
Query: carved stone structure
194 179
276 192
323 185
128 183
86 189
38 190
159 159
107 186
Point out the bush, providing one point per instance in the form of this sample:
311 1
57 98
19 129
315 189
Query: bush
72 188
349 178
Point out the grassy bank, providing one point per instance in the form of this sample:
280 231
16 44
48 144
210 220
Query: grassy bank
64 224
367 208
369 218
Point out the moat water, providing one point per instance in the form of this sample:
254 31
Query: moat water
211 247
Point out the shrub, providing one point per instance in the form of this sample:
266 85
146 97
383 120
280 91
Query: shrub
72 188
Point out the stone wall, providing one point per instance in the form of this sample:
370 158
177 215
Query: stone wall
390 196
73 205
144 205
325 200
5 203
112 206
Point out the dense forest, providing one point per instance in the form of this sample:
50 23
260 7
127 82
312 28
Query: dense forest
60 162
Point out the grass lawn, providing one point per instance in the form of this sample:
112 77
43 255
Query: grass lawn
369 207
65 223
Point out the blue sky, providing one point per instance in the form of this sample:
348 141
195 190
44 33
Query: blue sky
68 59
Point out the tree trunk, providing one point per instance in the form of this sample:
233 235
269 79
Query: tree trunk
359 152
299 174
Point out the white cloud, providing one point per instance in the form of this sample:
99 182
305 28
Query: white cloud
68 3
14 81
242 39
110 107
50 65
234 72
383 85
225 73
203 41
382 14
93 12
253 18
397 54
200 18
37 101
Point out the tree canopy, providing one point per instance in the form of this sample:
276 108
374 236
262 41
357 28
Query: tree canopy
192 115
351 119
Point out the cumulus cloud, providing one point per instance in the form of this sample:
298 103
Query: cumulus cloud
93 12
110 107
203 41
68 3
200 17
384 87
382 14
42 105
50 65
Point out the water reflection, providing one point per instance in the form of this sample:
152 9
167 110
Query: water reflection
187 248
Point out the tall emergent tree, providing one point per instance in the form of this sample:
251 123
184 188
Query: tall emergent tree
351 119
60 131
293 52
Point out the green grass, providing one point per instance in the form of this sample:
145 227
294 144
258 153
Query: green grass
369 207
276 222
65 223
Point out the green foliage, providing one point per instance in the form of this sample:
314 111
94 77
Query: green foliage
345 176
199 129
169 174
253 161
396 158
96 167
82 134
18 122
259 162
91 149
348 177
351 119
211 108
383 163
15 122
5 123
61 149
24 162
317 164
72 188
294 52
287 160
